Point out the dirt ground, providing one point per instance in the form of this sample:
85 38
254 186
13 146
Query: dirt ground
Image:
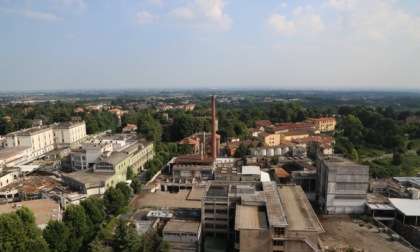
341 232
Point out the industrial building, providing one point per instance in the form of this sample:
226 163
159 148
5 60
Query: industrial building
342 185
259 216
108 167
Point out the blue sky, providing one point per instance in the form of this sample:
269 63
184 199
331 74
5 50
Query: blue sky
331 44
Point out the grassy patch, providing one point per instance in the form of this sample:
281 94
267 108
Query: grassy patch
383 168
369 152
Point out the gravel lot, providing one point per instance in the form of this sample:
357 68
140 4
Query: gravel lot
341 232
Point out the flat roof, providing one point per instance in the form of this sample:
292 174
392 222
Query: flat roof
11 151
275 211
299 212
88 176
248 217
407 179
43 209
115 158
374 206
251 170
196 193
408 207
182 227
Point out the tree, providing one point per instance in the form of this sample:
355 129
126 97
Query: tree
126 191
351 128
18 232
241 151
56 235
126 238
94 209
150 128
130 173
96 245
77 222
12 232
396 158
136 185
114 200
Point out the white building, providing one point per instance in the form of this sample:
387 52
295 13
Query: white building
89 154
69 133
40 140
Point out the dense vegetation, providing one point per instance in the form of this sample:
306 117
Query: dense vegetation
362 130
84 227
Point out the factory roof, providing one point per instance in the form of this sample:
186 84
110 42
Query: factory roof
275 211
251 170
408 207
12 151
182 227
299 212
115 158
250 217
88 176
193 159
374 206
281 173
30 132
67 125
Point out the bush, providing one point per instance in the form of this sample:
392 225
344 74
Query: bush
418 152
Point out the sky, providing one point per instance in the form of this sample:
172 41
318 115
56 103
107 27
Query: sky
330 44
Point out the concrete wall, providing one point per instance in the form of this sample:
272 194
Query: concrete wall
409 233
255 240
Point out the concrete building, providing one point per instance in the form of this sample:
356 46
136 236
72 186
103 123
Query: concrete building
40 140
182 235
342 185
82 159
14 156
110 168
259 217
69 134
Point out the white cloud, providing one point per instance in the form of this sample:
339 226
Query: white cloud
312 23
79 4
303 21
280 24
144 17
205 15
342 4
381 21
283 5
32 14
183 12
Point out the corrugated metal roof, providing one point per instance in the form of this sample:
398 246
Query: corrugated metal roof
374 206
408 207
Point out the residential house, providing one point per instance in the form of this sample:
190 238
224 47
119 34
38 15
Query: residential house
269 139
323 124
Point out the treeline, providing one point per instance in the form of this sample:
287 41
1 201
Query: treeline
84 227
376 127
50 113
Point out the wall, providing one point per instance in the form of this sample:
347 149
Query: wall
255 240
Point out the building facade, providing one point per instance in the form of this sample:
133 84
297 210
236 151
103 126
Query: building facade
342 185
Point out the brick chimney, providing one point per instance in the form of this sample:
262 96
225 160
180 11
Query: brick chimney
213 128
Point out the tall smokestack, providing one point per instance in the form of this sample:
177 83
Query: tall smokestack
213 128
